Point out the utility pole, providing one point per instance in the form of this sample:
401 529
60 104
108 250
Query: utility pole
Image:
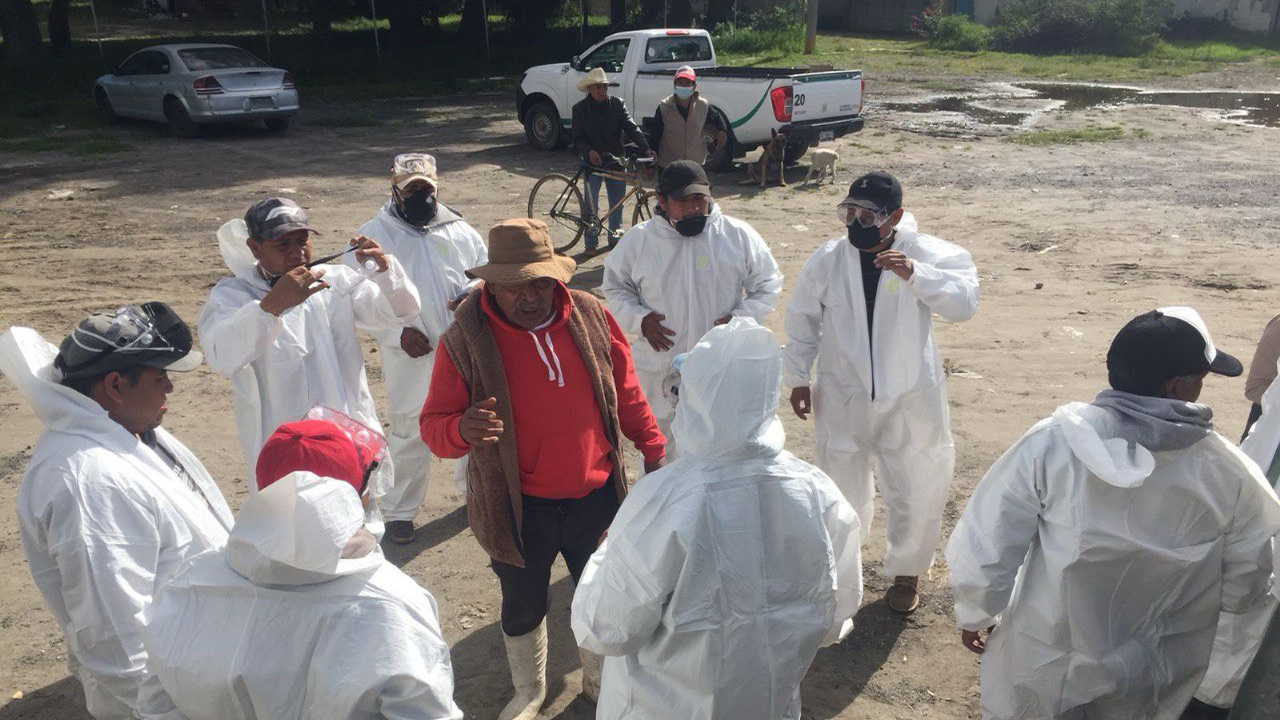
811 28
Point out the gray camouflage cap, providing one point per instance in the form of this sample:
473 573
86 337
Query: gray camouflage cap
147 334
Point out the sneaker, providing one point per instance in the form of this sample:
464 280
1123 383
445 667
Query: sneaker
401 532
590 253
904 595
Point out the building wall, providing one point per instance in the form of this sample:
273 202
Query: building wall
1252 15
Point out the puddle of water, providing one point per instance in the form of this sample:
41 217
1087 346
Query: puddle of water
1009 106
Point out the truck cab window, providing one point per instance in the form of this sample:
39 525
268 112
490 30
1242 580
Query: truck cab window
609 56
678 49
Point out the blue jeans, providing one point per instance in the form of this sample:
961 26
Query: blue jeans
615 189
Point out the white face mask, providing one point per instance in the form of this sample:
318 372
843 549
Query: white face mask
684 93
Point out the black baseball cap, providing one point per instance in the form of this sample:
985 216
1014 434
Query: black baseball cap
269 219
683 178
877 191
1167 343
147 334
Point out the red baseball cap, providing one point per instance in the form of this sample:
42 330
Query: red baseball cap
316 446
686 73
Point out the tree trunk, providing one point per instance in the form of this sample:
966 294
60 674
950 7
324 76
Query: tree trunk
718 11
471 26
22 33
651 13
680 13
617 14
407 33
321 17
60 26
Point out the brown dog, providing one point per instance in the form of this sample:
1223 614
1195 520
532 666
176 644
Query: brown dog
773 156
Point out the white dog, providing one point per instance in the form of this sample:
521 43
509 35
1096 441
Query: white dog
823 161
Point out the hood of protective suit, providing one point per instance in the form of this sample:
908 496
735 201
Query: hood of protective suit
27 360
232 243
907 227
730 384
294 531
1115 435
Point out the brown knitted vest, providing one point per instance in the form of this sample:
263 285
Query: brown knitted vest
494 506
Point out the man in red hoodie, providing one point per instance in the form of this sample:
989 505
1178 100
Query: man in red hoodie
537 387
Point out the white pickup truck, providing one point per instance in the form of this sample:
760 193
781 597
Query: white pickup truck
815 106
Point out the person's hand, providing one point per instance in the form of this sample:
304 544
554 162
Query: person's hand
651 154
802 402
656 465
724 320
658 335
593 157
292 289
895 262
414 343
973 640
369 250
480 424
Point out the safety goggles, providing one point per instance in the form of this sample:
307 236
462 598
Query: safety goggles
850 213
371 445
150 334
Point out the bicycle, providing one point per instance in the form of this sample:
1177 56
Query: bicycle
558 200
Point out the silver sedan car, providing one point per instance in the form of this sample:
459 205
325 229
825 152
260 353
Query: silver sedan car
189 85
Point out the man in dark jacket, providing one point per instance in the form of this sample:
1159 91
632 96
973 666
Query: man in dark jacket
599 120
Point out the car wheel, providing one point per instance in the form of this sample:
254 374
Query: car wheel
277 125
179 121
721 157
102 106
796 150
542 126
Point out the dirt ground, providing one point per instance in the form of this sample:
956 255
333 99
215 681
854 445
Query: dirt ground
1070 242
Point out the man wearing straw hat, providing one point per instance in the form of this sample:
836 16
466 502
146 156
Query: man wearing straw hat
599 121
536 387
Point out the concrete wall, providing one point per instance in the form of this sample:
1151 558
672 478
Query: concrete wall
887 16
1251 15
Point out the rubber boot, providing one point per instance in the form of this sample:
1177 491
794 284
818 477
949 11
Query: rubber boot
527 656
591 667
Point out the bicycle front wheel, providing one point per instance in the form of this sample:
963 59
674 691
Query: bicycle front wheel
643 211
556 201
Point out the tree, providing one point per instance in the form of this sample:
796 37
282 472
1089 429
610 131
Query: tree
679 13
60 26
21 31
718 11
471 26
406 30
617 14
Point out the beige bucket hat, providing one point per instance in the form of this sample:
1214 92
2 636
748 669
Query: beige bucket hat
595 77
520 250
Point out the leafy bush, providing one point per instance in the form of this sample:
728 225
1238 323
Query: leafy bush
959 33
779 28
926 23
1111 27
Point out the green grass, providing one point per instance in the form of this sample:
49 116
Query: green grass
1071 137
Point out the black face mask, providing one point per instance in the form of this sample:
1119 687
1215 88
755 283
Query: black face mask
691 226
864 238
418 209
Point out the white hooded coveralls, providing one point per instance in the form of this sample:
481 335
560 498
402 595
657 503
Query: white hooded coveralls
883 397
278 626
281 367
1106 563
725 571
694 281
1240 635
104 520
436 260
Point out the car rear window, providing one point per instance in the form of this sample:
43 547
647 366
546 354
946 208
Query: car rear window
198 59
678 49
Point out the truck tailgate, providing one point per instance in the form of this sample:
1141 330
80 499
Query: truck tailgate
826 95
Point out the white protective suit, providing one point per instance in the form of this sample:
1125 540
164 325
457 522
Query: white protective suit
693 281
436 261
281 367
883 397
277 626
1240 635
1105 546
104 521
726 570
